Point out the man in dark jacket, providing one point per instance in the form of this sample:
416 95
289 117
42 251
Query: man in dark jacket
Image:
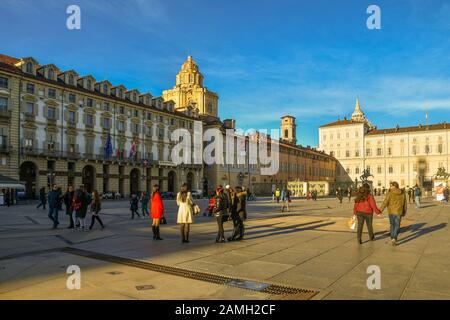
220 211
238 214
42 198
68 198
54 203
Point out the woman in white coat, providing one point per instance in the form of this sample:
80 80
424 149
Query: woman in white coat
185 212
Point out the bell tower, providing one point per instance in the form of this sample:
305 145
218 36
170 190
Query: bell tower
190 93
289 129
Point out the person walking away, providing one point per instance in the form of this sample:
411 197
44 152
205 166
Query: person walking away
42 198
417 195
363 209
273 196
96 206
68 199
220 211
54 200
278 194
339 194
77 204
349 194
157 210
410 194
396 204
284 200
134 202
144 203
185 212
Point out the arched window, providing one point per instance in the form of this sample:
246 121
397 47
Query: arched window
29 67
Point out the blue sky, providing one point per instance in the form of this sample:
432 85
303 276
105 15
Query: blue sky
265 58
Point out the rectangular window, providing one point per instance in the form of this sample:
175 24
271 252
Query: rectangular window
90 120
136 113
106 106
72 98
347 154
149 116
90 102
379 169
121 126
391 169
30 88
106 123
3 104
28 143
30 108
51 113
439 148
402 168
52 93
368 152
161 133
71 117
121 110
414 150
135 128
379 152
3 82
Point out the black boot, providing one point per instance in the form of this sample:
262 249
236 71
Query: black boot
154 232
158 237
186 236
183 238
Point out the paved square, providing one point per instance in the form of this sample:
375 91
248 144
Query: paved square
310 247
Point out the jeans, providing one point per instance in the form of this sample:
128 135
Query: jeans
395 220
417 201
53 215
368 218
221 232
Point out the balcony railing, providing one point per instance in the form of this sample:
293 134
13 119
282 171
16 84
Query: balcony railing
5 113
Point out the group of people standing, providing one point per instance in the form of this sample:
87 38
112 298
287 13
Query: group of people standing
365 206
230 204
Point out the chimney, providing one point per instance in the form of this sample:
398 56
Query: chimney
230 123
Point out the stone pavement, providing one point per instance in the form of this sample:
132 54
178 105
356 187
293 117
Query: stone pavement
310 247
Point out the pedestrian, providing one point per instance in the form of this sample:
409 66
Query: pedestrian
8 197
54 202
277 194
85 202
96 206
396 203
221 213
76 207
314 195
417 195
157 209
339 194
144 203
363 209
410 194
285 200
185 212
273 196
68 199
227 195
446 194
349 194
238 214
134 203
42 198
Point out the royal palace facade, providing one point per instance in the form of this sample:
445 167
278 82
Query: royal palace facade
60 127
408 155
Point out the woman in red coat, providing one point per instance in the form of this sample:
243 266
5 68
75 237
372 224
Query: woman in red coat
157 211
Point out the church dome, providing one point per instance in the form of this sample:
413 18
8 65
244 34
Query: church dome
189 65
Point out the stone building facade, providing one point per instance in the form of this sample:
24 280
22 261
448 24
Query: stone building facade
408 155
54 126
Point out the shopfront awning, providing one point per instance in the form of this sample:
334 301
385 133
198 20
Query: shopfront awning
10 183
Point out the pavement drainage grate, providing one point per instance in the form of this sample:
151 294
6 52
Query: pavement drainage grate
145 287
300 294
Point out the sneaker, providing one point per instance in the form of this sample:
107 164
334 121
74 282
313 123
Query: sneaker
393 242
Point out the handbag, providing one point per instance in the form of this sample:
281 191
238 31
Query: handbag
196 209
163 220
352 223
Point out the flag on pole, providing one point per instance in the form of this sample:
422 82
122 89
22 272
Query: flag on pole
133 149
108 147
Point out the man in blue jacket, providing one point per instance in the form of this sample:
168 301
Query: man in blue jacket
54 200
